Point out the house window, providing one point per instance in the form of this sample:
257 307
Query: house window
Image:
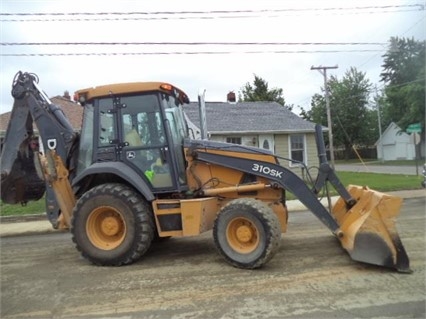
297 148
233 140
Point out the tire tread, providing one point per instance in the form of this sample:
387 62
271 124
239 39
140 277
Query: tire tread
142 214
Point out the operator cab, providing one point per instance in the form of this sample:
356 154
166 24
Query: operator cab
139 124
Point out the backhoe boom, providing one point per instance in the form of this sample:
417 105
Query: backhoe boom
27 173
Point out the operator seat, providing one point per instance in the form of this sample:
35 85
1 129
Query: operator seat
158 172
133 138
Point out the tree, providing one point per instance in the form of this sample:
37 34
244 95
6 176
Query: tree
318 112
404 77
259 91
351 117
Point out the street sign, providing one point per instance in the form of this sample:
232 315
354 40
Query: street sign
414 128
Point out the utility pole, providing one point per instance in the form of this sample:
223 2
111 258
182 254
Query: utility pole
380 124
323 71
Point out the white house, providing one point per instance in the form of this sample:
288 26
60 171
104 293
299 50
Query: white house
395 144
266 125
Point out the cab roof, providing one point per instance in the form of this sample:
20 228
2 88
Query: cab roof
128 88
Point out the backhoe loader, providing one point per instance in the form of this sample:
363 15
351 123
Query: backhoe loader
133 175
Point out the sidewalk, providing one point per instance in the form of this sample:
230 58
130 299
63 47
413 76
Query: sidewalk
13 226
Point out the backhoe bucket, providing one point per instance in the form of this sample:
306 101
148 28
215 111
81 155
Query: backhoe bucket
369 232
22 183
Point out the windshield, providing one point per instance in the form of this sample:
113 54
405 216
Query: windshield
178 131
174 114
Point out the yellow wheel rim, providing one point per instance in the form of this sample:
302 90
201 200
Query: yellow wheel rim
242 235
106 228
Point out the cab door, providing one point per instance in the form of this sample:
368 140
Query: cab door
177 132
145 146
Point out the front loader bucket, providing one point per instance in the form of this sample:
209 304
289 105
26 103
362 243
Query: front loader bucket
369 232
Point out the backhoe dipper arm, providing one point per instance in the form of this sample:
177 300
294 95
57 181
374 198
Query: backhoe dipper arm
59 141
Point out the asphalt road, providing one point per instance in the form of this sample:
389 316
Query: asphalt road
42 276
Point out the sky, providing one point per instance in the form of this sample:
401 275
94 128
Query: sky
214 45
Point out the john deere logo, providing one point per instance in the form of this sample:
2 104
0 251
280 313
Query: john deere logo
130 155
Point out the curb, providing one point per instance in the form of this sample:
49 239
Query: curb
22 218
27 228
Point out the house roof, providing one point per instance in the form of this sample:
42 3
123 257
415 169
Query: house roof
222 117
72 110
248 117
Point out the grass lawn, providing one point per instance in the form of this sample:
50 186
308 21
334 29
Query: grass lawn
413 163
379 182
33 207
375 181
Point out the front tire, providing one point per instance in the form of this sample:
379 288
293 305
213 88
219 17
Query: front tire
247 233
112 225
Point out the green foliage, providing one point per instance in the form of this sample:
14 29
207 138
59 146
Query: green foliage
318 112
259 91
351 117
404 77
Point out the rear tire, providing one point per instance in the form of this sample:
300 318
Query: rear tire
112 225
247 233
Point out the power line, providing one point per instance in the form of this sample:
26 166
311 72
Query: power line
92 19
189 43
181 53
383 86
214 14
419 6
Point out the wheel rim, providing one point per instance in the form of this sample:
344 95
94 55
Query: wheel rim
106 227
242 235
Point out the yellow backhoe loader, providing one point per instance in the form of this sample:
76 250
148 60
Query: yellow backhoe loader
133 175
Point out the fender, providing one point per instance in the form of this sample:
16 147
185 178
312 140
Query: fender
121 170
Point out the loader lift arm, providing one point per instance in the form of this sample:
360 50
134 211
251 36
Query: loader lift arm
288 180
283 177
21 164
362 219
